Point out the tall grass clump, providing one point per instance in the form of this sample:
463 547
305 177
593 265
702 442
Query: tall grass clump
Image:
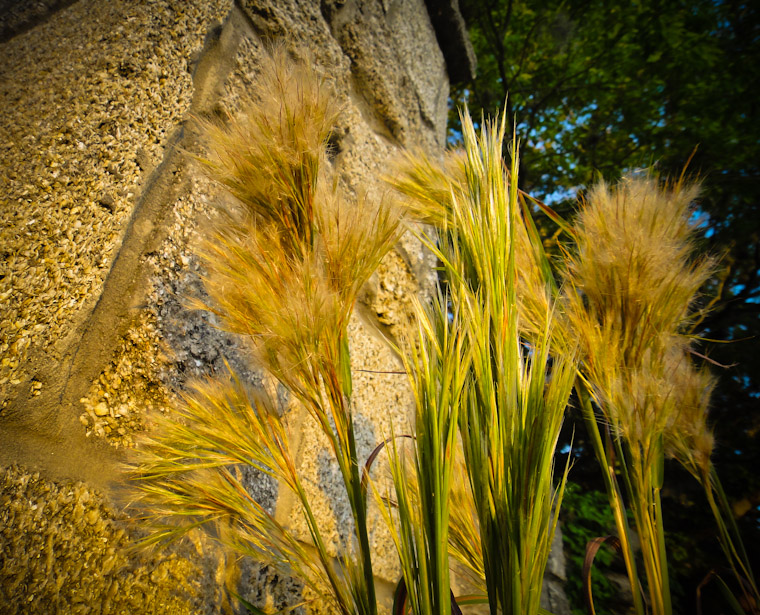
630 292
284 263
419 517
492 361
511 385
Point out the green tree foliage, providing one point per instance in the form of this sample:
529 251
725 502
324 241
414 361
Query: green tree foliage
586 516
599 88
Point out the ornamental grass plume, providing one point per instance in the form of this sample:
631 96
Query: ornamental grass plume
284 264
514 388
634 264
629 296
270 157
690 439
189 476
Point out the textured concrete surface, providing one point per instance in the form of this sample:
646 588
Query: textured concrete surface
66 550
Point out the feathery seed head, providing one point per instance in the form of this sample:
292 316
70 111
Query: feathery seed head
285 262
634 264
629 290
354 238
287 308
430 185
628 296
690 439
271 157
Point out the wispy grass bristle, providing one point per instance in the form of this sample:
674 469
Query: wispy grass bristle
635 265
271 157
190 476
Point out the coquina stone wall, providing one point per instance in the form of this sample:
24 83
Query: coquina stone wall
100 210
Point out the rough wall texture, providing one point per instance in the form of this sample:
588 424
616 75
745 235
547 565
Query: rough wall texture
100 210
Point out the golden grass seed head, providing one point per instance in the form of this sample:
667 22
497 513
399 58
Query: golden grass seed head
629 289
690 438
287 308
429 186
353 238
270 156
634 263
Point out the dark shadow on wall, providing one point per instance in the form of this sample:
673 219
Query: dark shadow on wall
18 16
